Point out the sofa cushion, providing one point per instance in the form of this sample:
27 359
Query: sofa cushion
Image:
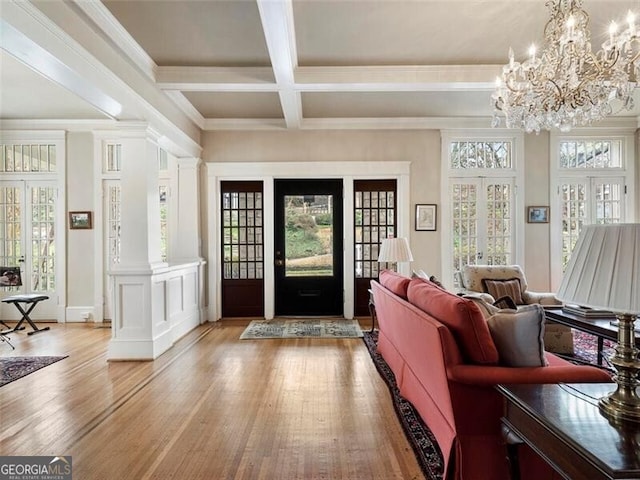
518 336
395 282
502 288
460 315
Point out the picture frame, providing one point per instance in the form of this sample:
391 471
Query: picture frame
426 217
537 214
10 277
80 221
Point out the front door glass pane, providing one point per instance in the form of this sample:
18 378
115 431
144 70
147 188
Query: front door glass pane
308 235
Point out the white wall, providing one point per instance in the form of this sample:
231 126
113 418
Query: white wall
80 243
536 190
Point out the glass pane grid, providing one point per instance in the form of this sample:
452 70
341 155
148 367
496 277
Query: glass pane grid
10 229
465 229
374 221
590 154
242 238
573 198
113 158
498 238
27 158
164 221
43 248
480 154
113 224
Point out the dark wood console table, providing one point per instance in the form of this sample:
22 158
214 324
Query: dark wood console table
601 327
563 424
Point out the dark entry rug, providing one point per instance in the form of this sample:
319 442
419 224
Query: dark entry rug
13 368
302 328
420 437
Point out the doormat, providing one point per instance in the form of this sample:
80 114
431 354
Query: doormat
13 368
302 328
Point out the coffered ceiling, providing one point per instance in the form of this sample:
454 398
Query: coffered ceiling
237 64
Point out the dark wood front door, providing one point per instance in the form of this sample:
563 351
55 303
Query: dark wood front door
374 220
308 247
242 249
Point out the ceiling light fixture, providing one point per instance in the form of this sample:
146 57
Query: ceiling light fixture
567 84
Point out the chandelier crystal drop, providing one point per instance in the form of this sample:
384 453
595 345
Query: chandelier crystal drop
567 84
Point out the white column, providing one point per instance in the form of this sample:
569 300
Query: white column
187 247
140 329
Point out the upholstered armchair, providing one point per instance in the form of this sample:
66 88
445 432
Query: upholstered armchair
492 282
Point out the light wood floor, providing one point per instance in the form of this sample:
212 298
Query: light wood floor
213 407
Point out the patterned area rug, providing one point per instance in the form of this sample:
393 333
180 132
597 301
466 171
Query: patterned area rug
420 437
585 348
13 368
301 328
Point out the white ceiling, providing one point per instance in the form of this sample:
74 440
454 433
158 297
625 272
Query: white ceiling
223 64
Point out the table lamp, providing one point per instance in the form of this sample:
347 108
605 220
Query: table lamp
604 273
395 250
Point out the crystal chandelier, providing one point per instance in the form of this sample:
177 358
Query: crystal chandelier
567 84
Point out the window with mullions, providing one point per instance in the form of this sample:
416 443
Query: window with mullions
374 220
590 154
591 187
28 158
242 235
480 154
481 203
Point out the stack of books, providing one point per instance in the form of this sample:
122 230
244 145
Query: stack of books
587 312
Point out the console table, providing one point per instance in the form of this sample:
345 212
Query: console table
563 424
600 327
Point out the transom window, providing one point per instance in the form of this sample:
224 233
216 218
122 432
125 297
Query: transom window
590 154
28 158
480 154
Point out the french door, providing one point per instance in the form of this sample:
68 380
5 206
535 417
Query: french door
28 229
482 216
308 244
583 201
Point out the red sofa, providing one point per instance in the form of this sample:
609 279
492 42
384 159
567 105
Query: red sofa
440 349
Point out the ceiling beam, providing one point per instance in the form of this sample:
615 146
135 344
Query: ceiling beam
279 32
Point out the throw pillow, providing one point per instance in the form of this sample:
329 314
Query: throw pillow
518 336
504 288
461 316
395 282
505 302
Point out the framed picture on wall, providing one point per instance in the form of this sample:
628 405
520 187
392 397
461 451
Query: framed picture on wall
538 214
80 220
426 217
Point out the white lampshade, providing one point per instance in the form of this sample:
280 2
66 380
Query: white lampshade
395 250
604 269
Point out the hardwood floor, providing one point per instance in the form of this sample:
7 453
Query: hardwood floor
212 407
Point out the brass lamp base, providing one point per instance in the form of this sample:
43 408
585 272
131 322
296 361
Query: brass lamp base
624 403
